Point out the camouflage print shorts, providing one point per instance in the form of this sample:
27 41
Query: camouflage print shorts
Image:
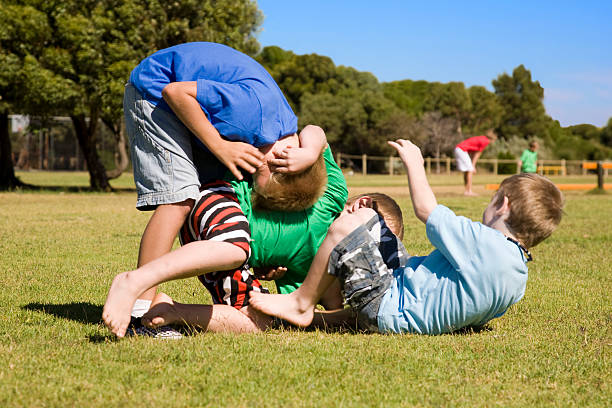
364 262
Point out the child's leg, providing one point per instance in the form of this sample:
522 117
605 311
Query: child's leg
298 307
165 176
332 298
159 235
190 260
324 319
211 318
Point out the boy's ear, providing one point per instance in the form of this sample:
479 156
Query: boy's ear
504 207
361 202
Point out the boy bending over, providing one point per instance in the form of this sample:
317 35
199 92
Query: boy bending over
228 104
477 271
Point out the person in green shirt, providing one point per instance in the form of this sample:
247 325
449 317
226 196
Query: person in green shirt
287 241
529 159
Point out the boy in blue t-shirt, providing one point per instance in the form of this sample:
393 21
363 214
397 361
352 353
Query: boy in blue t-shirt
231 106
477 271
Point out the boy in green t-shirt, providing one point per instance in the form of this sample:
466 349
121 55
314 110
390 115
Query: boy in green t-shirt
226 318
306 230
528 162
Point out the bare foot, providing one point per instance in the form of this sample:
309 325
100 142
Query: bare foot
161 313
118 305
470 194
287 307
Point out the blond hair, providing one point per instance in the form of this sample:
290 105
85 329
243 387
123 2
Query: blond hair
491 135
387 208
292 191
536 207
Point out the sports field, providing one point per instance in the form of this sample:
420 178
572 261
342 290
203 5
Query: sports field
60 247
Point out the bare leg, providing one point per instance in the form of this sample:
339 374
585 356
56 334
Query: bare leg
332 298
467 178
159 235
189 260
298 307
211 318
346 318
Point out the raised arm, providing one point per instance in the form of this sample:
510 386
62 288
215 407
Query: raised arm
181 97
423 198
297 159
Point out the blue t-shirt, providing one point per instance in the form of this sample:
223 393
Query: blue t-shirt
474 275
236 93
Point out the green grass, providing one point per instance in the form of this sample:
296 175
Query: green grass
59 252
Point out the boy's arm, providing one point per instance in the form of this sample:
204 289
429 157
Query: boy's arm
295 160
423 198
181 97
475 158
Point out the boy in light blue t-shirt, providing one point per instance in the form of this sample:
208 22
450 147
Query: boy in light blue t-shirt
477 271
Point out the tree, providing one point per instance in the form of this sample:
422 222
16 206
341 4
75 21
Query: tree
521 100
409 96
485 111
451 100
606 134
442 132
297 75
89 48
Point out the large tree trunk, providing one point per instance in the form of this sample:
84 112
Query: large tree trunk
121 157
85 133
8 181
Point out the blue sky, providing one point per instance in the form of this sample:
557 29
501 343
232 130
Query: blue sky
567 45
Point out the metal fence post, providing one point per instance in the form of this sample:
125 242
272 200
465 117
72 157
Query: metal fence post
364 164
391 165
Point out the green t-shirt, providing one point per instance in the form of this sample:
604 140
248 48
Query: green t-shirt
529 160
291 239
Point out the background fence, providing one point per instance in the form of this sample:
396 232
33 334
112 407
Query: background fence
52 145
365 164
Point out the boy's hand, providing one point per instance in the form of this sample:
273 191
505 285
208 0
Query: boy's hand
423 199
292 160
268 273
408 151
239 154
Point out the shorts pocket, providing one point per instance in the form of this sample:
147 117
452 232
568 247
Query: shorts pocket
152 165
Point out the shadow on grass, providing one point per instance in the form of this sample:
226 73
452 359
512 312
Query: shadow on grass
353 329
82 312
71 189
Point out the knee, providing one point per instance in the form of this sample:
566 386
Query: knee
181 209
348 223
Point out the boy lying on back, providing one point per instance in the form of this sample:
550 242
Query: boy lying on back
477 271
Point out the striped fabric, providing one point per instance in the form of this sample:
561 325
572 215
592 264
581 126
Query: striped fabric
217 216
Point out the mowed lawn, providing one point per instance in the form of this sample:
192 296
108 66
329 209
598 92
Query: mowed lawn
59 250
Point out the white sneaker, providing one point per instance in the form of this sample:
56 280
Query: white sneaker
136 328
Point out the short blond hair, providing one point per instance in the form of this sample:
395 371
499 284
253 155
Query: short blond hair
387 208
491 135
536 207
292 191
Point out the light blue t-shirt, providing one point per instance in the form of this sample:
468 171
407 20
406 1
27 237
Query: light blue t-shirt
473 276
238 95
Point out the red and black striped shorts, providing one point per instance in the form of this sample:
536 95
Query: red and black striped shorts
217 216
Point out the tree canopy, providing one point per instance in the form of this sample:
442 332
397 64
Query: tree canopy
72 58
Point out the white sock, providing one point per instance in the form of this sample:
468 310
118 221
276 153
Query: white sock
141 306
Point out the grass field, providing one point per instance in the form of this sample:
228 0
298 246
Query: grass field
60 248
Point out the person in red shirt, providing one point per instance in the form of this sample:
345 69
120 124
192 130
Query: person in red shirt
467 154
